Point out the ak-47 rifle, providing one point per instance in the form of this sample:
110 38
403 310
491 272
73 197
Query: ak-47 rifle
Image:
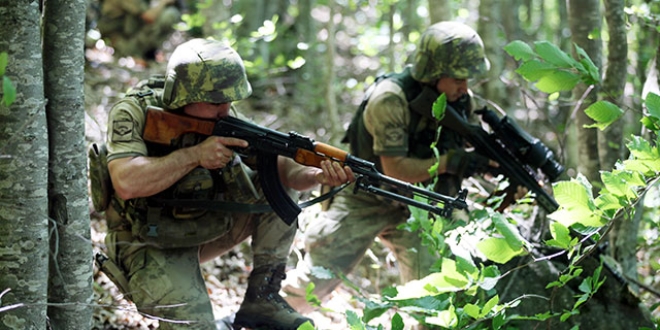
518 154
164 127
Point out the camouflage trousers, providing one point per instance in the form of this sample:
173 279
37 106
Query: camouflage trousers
168 283
341 236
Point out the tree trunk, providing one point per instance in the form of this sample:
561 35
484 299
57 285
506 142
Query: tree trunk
440 10
584 18
70 276
24 171
330 95
490 31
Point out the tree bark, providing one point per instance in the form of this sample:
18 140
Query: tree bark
23 171
70 276
440 10
584 18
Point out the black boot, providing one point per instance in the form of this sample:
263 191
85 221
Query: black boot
263 307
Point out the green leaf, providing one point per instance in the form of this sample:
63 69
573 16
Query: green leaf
397 322
4 59
354 321
576 204
306 326
593 77
449 279
498 250
446 318
534 70
472 310
439 107
490 305
652 103
509 231
561 236
622 183
520 50
551 53
9 92
557 81
603 113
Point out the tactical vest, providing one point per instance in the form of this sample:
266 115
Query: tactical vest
162 220
422 128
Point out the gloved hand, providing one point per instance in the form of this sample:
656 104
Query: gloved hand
465 164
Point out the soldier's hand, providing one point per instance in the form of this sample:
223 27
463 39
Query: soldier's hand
215 152
334 174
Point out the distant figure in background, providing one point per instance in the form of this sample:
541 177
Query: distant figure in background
137 28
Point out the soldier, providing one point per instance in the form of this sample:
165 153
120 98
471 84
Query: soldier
395 132
135 28
155 248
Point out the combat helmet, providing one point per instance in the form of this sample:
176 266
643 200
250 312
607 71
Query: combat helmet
449 48
204 70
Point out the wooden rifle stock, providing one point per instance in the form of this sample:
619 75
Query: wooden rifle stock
162 127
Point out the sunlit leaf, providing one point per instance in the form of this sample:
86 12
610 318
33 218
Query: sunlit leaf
576 204
551 53
509 231
561 236
9 91
603 113
520 50
4 59
498 250
446 318
439 107
534 70
593 76
447 280
557 81
652 103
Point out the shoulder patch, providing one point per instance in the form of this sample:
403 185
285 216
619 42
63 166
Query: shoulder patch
394 136
122 130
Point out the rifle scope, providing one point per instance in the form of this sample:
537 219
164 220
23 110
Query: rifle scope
524 146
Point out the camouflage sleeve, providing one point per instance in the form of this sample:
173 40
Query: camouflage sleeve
125 126
387 118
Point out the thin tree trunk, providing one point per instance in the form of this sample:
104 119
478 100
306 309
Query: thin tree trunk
584 18
70 277
23 172
440 10
490 31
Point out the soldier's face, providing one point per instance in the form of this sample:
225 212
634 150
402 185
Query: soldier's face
207 110
452 87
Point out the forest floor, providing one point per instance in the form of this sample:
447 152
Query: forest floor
226 277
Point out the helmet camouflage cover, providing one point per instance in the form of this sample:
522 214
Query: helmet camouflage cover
204 70
449 48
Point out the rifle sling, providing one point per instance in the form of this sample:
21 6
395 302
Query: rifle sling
241 207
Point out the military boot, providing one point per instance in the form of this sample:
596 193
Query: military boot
263 307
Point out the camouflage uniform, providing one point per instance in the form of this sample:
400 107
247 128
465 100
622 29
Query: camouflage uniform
121 22
390 127
161 267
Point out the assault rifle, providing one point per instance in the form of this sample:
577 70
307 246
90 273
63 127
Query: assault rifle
165 127
518 154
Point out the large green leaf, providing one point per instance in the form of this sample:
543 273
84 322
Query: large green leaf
590 72
534 70
520 50
576 204
446 318
557 81
509 231
603 113
561 236
622 184
4 59
449 279
551 53
439 107
652 103
498 250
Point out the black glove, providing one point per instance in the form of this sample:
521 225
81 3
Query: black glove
465 164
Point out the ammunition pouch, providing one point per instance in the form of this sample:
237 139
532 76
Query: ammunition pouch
186 214
101 186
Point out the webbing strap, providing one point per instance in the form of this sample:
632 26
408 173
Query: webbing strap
241 207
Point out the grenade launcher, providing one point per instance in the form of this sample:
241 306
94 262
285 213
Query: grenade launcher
519 154
164 127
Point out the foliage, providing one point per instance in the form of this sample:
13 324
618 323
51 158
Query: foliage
461 293
8 89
